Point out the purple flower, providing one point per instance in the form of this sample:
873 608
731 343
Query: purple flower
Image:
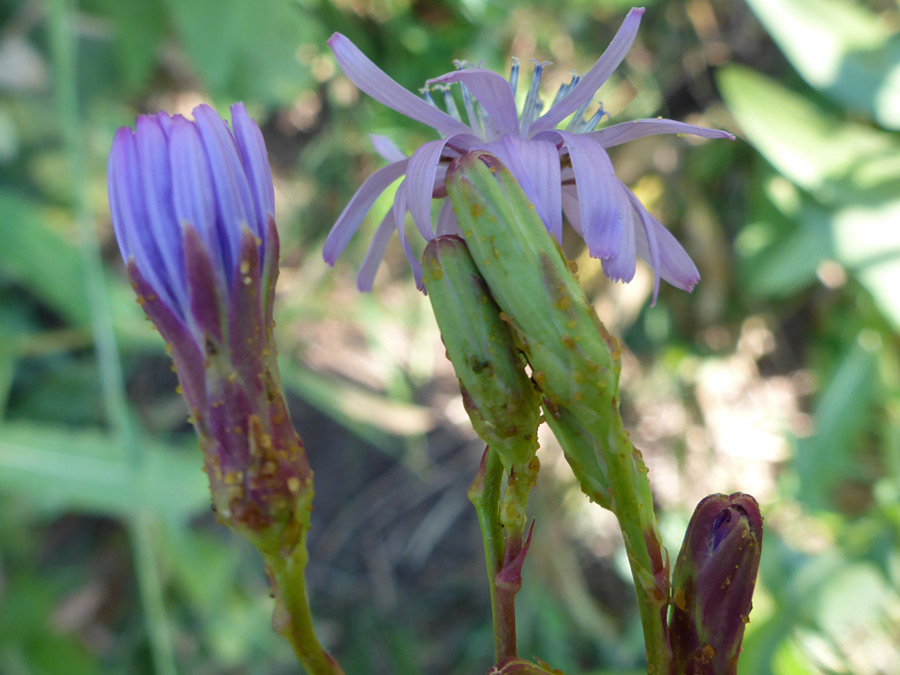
193 209
563 172
171 172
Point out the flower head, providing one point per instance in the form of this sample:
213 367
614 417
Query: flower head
563 172
192 205
171 173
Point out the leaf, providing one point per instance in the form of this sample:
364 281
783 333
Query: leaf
829 156
842 413
139 28
231 43
44 261
61 469
851 170
790 263
41 259
840 48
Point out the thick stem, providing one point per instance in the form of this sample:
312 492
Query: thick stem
293 619
632 502
485 497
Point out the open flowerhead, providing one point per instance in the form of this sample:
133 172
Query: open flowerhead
564 172
192 205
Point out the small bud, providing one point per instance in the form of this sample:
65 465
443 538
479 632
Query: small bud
501 401
713 584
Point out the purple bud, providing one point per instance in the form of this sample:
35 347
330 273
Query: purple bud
192 205
713 584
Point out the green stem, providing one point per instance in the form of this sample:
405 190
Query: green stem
293 619
139 524
632 502
485 497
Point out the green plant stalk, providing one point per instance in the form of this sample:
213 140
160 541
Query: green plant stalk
575 364
504 408
292 618
621 486
140 523
485 497
632 503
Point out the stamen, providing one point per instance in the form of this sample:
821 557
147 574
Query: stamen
533 106
596 118
576 124
580 125
472 111
427 96
514 76
564 89
449 102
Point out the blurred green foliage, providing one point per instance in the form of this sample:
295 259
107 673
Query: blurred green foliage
795 228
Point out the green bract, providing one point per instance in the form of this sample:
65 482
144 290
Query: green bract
501 401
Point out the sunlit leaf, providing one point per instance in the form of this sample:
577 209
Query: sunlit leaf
828 457
841 48
88 470
821 152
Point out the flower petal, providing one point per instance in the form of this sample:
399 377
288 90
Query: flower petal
535 164
118 183
352 215
646 242
602 222
675 265
130 221
365 278
571 209
420 177
193 195
234 204
447 223
607 63
256 166
385 147
379 85
156 176
399 212
628 131
622 265
493 93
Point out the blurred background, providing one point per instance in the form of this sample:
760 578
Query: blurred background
779 376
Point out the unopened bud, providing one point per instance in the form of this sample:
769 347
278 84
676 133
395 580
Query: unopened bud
193 207
501 401
713 584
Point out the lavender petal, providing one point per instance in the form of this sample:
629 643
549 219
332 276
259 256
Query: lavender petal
380 86
586 88
357 208
628 131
